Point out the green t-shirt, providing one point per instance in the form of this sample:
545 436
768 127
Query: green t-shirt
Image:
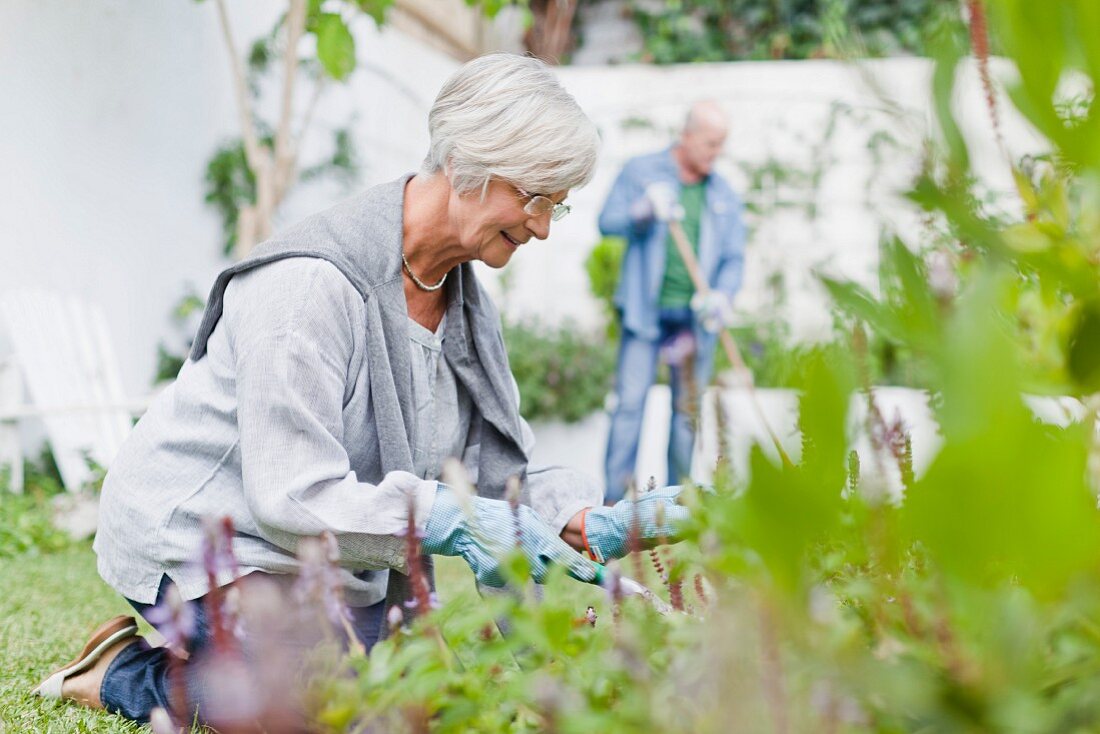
677 288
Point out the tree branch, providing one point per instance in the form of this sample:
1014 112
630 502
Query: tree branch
252 150
439 29
285 150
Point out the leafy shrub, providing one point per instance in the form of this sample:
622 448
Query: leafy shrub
26 524
809 603
603 266
727 30
562 372
185 315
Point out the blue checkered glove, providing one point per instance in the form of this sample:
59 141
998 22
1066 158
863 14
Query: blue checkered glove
607 529
486 531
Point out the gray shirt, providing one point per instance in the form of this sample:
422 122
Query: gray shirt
267 429
442 406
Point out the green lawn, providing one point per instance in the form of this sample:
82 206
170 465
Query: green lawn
48 606
50 603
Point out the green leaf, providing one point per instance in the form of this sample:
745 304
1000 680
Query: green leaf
376 9
1083 347
917 309
947 52
335 46
855 300
827 381
1026 191
1006 500
1025 237
489 8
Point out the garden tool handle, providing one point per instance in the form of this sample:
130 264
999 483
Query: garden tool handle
726 338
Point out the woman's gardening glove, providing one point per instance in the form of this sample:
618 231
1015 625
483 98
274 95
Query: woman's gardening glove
606 530
485 531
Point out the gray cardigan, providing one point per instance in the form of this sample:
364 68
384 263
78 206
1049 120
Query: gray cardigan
253 418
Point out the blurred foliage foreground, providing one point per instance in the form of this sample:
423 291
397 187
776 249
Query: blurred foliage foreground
810 602
803 599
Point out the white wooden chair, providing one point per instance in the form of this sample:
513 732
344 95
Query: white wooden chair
63 361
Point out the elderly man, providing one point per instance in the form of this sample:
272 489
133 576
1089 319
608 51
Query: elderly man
656 299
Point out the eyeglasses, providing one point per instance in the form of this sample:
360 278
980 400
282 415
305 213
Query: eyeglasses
539 205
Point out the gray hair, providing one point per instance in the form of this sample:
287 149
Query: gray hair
507 116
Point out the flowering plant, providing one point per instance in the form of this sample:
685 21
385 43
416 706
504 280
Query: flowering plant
805 598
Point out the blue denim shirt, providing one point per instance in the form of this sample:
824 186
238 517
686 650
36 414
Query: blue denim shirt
721 241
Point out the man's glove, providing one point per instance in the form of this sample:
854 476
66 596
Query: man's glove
487 531
606 530
714 310
659 202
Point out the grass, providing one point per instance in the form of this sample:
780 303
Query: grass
49 604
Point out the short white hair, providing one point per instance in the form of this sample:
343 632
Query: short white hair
506 116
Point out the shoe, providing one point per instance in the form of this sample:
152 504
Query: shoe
109 634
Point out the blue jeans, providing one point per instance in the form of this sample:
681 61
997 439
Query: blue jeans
637 371
139 678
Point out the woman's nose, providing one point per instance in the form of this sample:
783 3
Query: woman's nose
540 226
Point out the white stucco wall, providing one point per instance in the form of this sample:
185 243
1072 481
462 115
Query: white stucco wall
111 109
109 112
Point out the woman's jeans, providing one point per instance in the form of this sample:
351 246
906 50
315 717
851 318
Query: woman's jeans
138 679
637 371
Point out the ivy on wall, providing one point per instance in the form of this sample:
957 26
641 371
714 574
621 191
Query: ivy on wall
680 31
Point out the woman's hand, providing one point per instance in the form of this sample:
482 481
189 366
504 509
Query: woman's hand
487 530
605 531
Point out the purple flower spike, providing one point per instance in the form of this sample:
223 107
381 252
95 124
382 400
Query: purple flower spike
613 586
331 547
678 349
414 604
161 723
217 549
395 617
417 534
174 619
319 577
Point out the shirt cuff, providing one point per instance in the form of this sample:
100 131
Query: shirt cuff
565 514
424 500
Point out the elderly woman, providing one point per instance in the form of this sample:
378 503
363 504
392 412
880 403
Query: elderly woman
337 368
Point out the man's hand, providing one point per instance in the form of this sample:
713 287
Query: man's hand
714 310
658 202
489 529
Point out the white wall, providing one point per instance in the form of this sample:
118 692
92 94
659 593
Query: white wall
110 110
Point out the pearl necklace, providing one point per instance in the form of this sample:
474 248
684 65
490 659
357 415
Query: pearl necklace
418 282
